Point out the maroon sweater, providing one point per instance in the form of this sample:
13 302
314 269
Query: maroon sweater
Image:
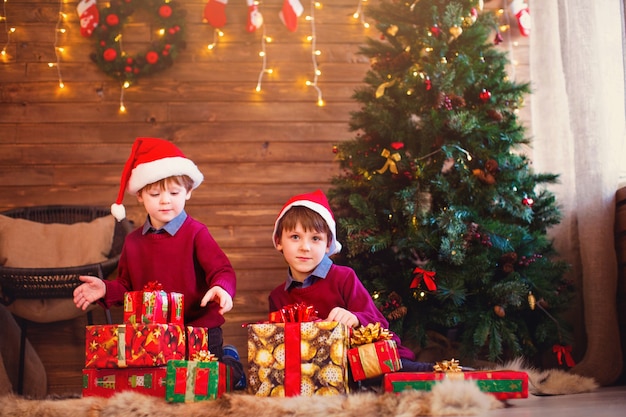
340 288
190 262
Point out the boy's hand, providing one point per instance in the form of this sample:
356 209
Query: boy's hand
92 290
343 316
220 296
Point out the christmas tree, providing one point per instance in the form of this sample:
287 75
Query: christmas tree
441 215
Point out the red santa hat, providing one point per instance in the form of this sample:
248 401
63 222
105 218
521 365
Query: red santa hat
317 202
152 160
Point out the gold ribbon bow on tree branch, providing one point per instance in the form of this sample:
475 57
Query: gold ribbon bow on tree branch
390 163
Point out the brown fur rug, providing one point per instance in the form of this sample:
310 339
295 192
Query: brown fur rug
445 399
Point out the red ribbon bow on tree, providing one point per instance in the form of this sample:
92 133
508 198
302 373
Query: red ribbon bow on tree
564 352
428 277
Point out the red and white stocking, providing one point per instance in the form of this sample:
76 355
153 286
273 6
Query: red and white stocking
292 9
215 13
522 14
255 18
89 16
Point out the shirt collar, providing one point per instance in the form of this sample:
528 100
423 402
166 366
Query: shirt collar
321 271
170 227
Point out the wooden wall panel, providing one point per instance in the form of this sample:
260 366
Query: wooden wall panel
68 146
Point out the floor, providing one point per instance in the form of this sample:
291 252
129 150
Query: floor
605 402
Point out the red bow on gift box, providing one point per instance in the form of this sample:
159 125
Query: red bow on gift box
428 277
294 313
153 286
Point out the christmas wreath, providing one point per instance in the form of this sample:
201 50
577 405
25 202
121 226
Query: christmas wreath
110 56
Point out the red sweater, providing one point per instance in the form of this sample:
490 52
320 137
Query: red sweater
190 262
340 288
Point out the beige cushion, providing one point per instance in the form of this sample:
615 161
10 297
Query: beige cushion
29 244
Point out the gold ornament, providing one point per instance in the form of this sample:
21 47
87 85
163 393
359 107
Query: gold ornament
450 366
531 300
455 31
392 30
499 310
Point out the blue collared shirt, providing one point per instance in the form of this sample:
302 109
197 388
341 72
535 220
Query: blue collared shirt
319 272
171 227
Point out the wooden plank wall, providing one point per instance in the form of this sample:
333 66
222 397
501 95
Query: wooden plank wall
68 146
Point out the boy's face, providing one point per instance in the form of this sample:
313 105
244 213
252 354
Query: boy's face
303 250
163 205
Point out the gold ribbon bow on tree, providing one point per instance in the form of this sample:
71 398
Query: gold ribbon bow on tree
203 356
390 163
451 366
369 334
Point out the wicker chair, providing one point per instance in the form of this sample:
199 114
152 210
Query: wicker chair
44 283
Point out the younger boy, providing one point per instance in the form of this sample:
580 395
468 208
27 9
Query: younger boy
305 234
171 248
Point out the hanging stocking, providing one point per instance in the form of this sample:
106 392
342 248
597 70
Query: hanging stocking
215 13
89 16
292 9
255 18
522 14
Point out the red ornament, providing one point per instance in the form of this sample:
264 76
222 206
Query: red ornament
485 95
435 30
498 39
152 57
171 31
112 20
397 145
129 61
165 11
428 84
109 54
335 149
527 201
128 69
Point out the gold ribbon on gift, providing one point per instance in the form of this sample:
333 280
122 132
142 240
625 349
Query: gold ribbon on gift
448 367
371 333
203 356
369 360
390 163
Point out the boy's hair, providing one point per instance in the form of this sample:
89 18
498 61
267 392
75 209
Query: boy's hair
309 219
182 180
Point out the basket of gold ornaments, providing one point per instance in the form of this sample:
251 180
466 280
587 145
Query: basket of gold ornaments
299 356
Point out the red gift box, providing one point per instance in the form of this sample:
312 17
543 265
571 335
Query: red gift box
502 384
106 382
189 381
374 359
290 359
153 306
197 340
133 345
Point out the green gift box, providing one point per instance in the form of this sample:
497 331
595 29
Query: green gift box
190 381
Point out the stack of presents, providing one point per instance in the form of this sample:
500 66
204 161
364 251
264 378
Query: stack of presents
291 354
153 352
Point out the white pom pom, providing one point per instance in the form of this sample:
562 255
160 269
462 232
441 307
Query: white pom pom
118 211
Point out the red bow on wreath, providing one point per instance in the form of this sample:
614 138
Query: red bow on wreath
564 352
428 277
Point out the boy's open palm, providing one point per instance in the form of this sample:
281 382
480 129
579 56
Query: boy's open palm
220 296
91 290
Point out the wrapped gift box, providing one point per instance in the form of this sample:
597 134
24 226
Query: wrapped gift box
133 345
153 306
197 340
289 359
503 384
190 380
106 382
374 359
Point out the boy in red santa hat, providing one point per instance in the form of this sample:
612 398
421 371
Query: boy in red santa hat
305 233
171 247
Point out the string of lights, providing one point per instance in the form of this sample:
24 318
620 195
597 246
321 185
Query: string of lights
314 53
8 30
